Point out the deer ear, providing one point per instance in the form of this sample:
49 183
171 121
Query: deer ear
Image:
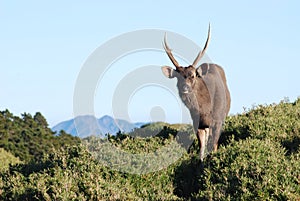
168 71
202 70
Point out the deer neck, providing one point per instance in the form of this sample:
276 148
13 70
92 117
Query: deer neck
199 99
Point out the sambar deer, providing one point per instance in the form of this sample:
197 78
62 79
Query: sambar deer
204 91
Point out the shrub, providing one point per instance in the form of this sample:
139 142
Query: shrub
250 170
278 122
7 159
73 174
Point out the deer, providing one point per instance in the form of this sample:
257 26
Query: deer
204 91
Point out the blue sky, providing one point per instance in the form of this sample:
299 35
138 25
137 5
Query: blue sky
45 44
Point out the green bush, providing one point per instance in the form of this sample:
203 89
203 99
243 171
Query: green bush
7 159
278 122
73 174
251 169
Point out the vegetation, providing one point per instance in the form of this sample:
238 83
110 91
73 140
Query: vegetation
7 159
258 159
29 138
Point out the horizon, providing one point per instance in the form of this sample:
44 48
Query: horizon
44 47
285 99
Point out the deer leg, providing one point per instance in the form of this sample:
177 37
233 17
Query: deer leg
202 135
210 141
216 132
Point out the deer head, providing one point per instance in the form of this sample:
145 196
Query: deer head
187 76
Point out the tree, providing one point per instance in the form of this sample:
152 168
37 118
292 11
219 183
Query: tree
40 120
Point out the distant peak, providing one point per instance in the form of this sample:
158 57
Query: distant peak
106 117
85 116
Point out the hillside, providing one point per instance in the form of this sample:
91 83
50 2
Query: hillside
258 159
29 137
84 126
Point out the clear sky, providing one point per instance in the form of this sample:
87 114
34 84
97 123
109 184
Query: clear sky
44 44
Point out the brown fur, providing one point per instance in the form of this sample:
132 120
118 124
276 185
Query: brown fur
205 93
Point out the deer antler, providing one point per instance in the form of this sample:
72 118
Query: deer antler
202 52
169 52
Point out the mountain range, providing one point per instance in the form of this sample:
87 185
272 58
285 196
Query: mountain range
87 125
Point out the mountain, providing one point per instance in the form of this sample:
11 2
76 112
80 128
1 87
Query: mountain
87 125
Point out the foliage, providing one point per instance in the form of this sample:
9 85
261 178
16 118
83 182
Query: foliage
250 170
73 174
28 138
136 155
278 122
7 159
258 159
